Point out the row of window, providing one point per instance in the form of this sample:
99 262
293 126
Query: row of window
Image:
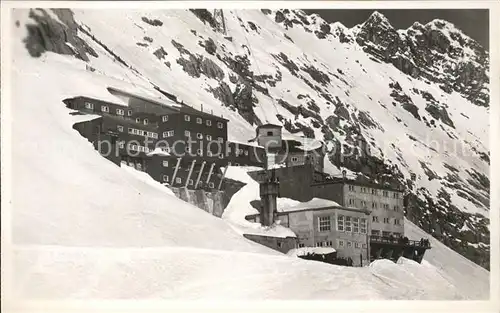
340 244
374 191
386 233
135 147
375 205
237 152
386 220
134 131
178 180
187 133
121 112
199 120
344 223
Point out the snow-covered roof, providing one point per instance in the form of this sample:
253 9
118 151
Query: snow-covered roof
306 144
158 151
315 203
136 94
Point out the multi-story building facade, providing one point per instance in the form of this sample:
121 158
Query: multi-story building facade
323 223
384 203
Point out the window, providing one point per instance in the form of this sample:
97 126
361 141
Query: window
209 138
211 185
355 225
349 244
295 159
220 139
374 191
164 118
364 246
187 133
199 120
319 244
89 105
220 125
324 223
199 135
375 232
120 128
190 182
246 152
385 193
121 144
129 112
104 108
396 221
356 245
120 112
374 205
396 208
209 123
137 120
187 118
375 219
340 223
301 245
386 220
341 243
351 188
363 225
165 163
165 178
269 133
363 203
146 121
351 202
348 226
178 180
363 189
396 195
386 234
169 133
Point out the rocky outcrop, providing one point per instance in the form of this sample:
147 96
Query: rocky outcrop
48 34
435 52
152 22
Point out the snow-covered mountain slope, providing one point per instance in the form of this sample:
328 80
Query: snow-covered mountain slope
82 227
398 117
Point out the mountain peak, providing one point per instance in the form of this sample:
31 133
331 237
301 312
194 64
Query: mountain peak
378 18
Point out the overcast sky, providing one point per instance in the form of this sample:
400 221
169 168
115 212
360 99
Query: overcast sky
474 23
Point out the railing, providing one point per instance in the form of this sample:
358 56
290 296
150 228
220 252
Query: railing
401 241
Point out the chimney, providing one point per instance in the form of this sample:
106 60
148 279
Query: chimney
269 189
201 105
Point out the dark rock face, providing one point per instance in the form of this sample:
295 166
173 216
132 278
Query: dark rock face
154 22
50 35
422 50
210 46
196 65
205 16
403 99
160 53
